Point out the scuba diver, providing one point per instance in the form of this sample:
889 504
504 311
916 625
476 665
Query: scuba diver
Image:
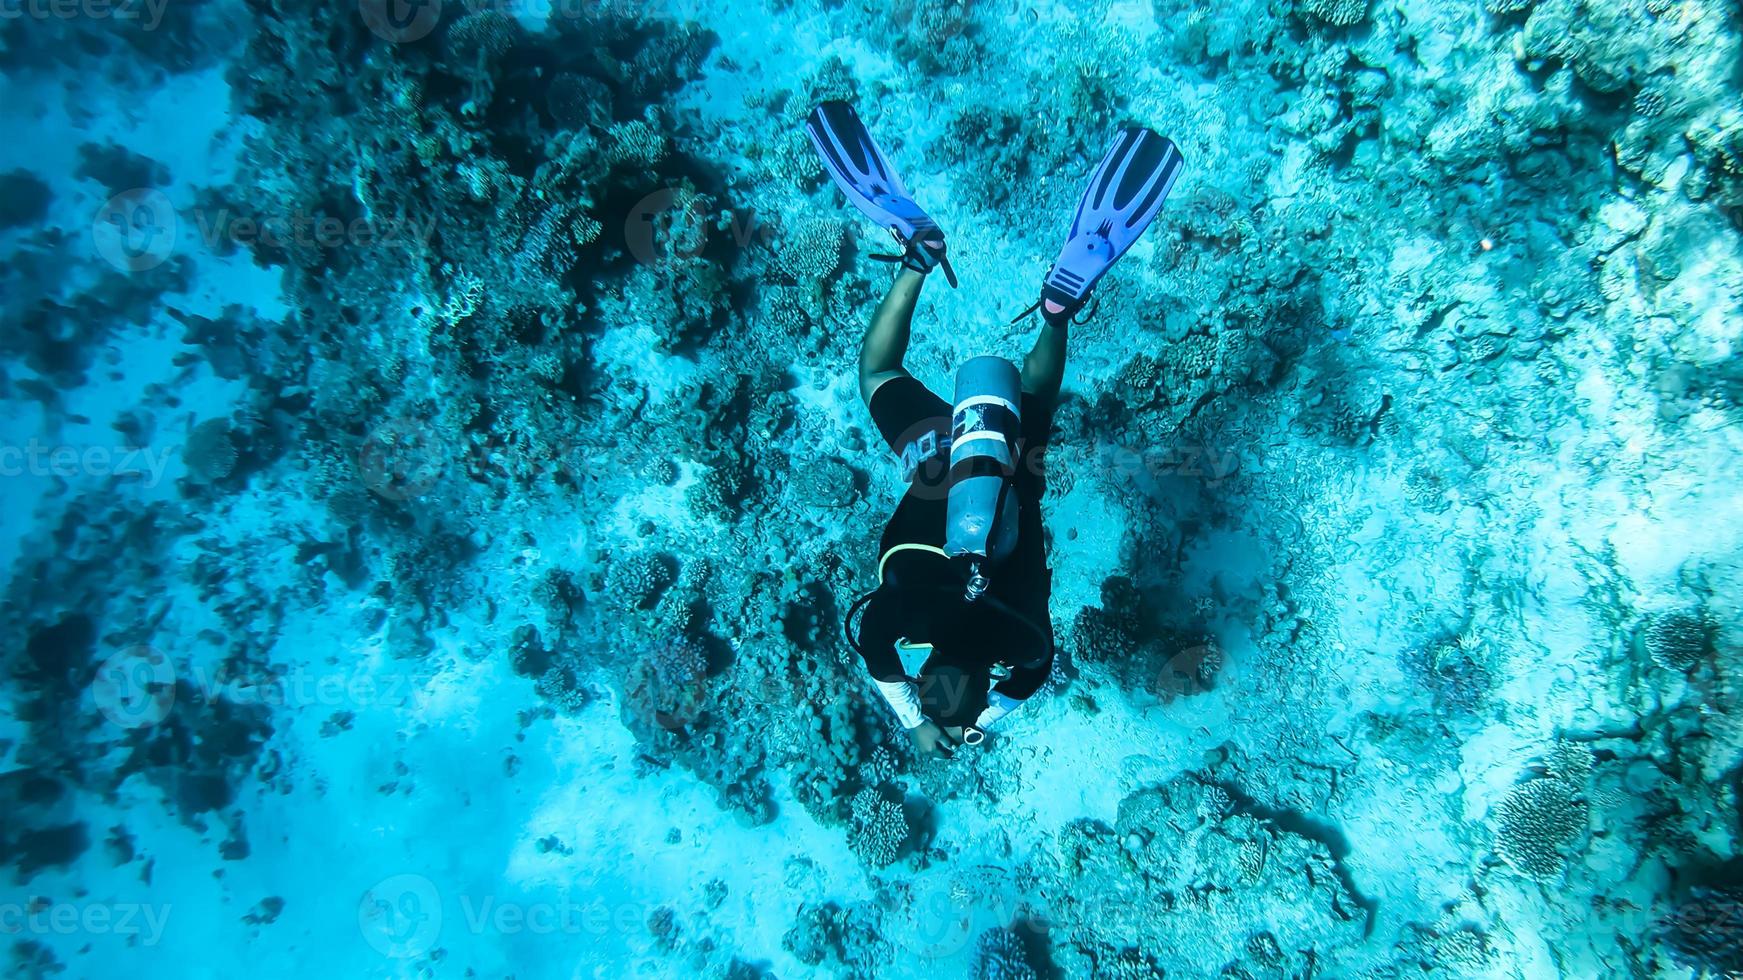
957 633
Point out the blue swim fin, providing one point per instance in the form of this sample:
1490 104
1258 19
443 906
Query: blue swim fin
1124 195
860 169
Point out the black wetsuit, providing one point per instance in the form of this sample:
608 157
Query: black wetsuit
929 605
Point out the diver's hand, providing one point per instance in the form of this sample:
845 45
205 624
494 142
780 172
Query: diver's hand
931 740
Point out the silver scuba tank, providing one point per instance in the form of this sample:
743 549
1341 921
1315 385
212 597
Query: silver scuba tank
981 508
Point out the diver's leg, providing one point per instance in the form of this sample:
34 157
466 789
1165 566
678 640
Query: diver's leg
1044 368
886 341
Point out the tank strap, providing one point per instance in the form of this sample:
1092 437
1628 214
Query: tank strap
847 622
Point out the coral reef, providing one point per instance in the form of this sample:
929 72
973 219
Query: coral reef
1179 866
879 830
1537 824
843 940
1701 933
509 355
999 954
1676 640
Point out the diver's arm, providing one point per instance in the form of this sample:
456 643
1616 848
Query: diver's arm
903 696
904 699
1044 368
900 692
886 341
877 650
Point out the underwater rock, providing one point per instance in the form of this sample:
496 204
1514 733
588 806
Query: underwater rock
1180 865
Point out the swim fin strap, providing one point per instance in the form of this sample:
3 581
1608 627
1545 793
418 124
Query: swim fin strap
860 169
1123 197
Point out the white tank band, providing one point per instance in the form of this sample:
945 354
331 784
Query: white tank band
974 400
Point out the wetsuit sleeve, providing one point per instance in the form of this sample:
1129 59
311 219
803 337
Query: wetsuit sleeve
1011 692
877 639
904 699
997 706
877 643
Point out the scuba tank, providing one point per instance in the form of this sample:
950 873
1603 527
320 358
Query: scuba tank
980 510
981 506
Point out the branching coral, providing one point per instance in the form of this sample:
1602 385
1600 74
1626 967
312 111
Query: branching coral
563 690
1110 633
827 483
478 41
637 581
1676 640
635 144
880 828
812 252
666 688
723 489
1537 824
1337 13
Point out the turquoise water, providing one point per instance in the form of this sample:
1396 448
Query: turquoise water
437 478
